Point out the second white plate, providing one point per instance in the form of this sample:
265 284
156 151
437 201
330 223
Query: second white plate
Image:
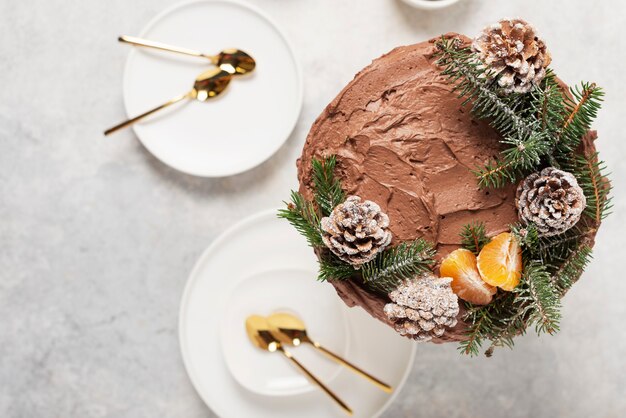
236 131
264 243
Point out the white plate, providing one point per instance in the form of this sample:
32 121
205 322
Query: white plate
238 130
283 290
260 244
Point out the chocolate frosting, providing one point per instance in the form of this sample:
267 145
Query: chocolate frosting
403 140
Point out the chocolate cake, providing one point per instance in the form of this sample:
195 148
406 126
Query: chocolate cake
403 139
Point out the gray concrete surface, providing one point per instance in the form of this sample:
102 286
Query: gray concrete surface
98 237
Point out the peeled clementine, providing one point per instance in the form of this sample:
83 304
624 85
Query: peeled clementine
460 265
500 262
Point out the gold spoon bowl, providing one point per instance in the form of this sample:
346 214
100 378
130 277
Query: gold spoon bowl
207 85
232 60
290 330
259 333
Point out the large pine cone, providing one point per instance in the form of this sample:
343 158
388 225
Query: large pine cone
355 232
512 50
551 199
423 308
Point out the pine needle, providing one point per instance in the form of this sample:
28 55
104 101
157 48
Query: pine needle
332 268
572 268
390 267
591 176
303 216
328 192
474 237
480 322
539 298
581 112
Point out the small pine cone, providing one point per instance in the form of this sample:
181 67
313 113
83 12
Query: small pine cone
512 50
356 231
423 307
551 199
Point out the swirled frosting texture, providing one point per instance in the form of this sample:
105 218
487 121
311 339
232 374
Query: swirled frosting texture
403 140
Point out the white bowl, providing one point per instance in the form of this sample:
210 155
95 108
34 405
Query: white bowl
283 290
430 4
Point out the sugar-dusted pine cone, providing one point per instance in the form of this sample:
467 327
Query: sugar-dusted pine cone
551 199
356 231
423 307
512 50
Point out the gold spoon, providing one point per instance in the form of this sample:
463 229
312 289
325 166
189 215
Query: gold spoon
208 85
289 329
260 335
234 61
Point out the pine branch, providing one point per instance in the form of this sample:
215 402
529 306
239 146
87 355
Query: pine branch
474 237
547 104
539 298
590 173
572 268
507 114
526 154
527 236
328 192
497 174
534 302
332 268
480 322
390 267
490 322
556 249
475 84
303 216
581 110
512 327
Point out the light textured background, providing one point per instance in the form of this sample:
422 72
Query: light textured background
97 237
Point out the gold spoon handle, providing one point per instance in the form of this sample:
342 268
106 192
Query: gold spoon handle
310 375
149 112
357 370
163 47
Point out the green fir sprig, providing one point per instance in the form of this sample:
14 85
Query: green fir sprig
328 192
390 267
497 322
581 110
569 272
592 178
303 216
474 237
539 298
508 114
332 268
535 302
542 127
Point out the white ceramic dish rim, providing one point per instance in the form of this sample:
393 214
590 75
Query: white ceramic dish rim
187 290
430 4
300 92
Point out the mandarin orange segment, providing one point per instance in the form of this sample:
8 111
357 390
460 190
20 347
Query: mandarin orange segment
500 262
460 265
